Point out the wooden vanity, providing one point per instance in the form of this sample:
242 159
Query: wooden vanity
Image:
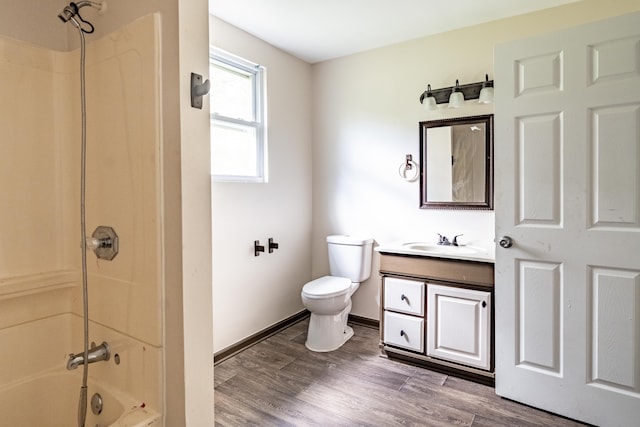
438 313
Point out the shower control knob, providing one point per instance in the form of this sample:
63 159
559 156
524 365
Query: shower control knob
104 242
506 242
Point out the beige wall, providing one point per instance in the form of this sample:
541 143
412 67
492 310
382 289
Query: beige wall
252 293
35 22
365 120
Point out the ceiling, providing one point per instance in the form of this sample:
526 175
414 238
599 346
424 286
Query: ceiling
317 30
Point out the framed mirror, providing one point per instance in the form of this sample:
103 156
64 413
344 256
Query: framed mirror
456 158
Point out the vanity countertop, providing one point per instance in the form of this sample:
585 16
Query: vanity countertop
463 252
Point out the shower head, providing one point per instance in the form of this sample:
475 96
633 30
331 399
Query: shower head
73 9
68 12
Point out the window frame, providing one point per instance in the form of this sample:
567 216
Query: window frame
224 59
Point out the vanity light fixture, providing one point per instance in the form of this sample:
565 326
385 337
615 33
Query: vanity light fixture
456 95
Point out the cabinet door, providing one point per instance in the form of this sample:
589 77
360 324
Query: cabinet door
459 325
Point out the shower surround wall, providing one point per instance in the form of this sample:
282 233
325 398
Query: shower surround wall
40 279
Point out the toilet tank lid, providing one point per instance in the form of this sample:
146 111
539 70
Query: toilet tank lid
348 240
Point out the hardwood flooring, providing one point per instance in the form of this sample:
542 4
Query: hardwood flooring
278 382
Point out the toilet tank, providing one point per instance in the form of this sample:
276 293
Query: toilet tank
350 257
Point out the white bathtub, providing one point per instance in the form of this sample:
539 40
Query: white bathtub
51 400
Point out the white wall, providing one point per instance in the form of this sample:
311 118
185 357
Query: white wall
252 293
365 116
195 190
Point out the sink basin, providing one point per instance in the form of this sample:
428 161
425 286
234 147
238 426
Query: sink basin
442 249
433 250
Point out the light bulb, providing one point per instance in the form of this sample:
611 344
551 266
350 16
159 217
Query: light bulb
486 94
456 99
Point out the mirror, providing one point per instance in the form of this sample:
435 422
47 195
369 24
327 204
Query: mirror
456 158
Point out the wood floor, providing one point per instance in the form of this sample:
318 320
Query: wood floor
278 382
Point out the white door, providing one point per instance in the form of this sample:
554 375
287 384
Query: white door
459 321
567 191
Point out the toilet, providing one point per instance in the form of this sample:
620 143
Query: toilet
329 298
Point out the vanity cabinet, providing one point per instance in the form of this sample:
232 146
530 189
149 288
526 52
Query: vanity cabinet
438 312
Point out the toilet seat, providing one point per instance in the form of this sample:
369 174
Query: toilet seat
326 287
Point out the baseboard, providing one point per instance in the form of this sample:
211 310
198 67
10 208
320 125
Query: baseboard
274 329
364 321
258 336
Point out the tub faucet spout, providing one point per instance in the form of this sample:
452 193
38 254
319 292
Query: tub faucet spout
96 354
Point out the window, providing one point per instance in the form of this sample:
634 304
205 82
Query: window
238 137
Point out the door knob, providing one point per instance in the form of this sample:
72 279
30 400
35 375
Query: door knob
506 242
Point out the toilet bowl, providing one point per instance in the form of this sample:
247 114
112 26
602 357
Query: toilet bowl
329 301
328 298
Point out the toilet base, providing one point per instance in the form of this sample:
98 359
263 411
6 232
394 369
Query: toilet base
328 332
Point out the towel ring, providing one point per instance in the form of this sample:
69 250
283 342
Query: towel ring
409 171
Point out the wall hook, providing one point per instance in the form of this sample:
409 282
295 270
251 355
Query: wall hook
198 90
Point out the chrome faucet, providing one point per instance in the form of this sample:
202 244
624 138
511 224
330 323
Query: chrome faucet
442 240
96 354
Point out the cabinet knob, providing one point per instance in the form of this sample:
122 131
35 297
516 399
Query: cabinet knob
484 304
404 298
402 333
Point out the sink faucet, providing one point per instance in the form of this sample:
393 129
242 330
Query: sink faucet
442 240
96 354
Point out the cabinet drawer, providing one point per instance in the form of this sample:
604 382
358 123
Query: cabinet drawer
405 296
404 331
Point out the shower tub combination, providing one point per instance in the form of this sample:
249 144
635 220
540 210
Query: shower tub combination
51 400
41 303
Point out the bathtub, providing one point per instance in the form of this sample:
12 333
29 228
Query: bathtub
51 400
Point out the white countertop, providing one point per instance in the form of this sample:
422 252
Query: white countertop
479 253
